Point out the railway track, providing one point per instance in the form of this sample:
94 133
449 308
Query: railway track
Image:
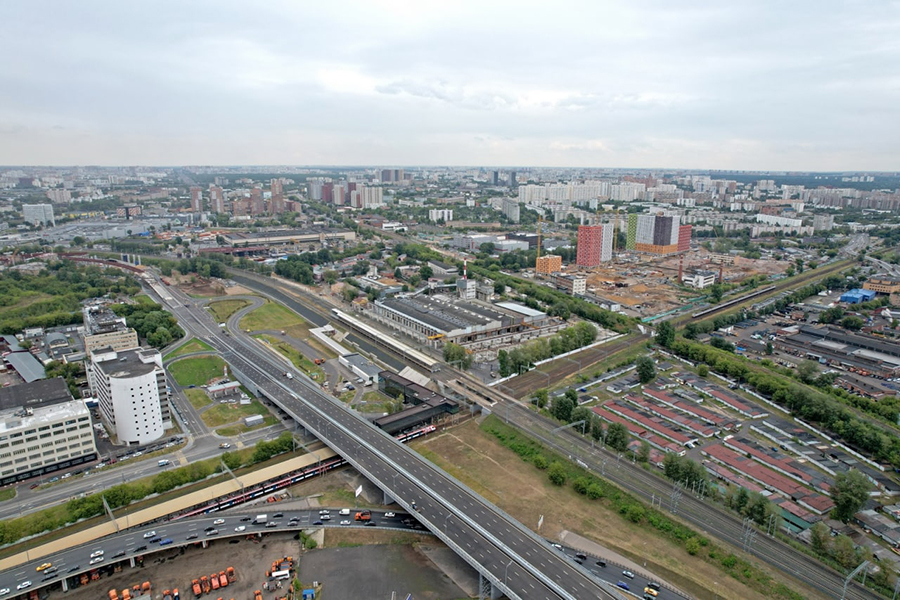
704 516
553 372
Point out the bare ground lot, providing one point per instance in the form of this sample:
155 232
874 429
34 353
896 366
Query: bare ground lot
524 492
377 571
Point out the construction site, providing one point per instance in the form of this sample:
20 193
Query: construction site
646 285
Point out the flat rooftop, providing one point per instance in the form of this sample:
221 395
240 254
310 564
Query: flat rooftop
126 364
446 315
12 419
45 392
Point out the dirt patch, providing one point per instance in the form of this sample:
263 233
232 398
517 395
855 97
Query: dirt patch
525 493
377 572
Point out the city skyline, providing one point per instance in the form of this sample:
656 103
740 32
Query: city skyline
698 86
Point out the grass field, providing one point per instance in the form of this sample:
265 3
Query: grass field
144 299
224 414
347 396
294 355
194 345
222 309
271 316
235 430
197 371
523 491
7 494
198 398
375 402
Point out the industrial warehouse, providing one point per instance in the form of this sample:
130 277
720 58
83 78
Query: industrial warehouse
476 325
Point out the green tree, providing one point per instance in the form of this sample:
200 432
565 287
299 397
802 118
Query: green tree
807 371
702 370
617 436
425 272
456 355
330 276
853 323
845 551
562 408
557 473
540 461
499 288
665 334
849 492
643 454
820 538
582 413
542 397
716 291
646 370
503 360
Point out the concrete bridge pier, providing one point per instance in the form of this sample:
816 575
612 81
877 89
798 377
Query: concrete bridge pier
132 562
65 584
487 590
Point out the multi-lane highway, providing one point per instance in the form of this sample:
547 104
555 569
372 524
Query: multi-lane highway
155 537
512 557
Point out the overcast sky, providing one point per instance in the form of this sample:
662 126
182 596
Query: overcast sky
805 85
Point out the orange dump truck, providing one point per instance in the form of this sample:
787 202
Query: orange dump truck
229 572
223 579
204 583
113 595
126 594
214 580
195 584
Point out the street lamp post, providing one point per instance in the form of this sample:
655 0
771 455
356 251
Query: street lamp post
506 572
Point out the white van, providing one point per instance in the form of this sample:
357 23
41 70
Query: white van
345 511
163 463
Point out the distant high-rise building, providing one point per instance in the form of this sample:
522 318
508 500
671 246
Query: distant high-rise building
257 206
512 178
196 199
60 196
440 214
549 263
495 178
339 194
594 244
38 214
277 187
216 199
391 175
656 234
511 209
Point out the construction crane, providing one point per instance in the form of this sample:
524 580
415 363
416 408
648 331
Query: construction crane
616 232
540 221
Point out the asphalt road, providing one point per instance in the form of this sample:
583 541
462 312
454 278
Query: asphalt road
132 543
513 555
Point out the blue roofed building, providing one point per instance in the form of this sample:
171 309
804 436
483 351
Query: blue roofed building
856 296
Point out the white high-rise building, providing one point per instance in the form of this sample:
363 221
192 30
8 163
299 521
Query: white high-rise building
38 214
130 387
440 214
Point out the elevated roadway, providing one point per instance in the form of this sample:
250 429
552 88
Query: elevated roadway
510 558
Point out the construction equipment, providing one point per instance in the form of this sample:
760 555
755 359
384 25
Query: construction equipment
204 583
175 594
126 594
195 584
230 573
167 595
223 580
113 595
257 595
146 587
214 580
538 257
